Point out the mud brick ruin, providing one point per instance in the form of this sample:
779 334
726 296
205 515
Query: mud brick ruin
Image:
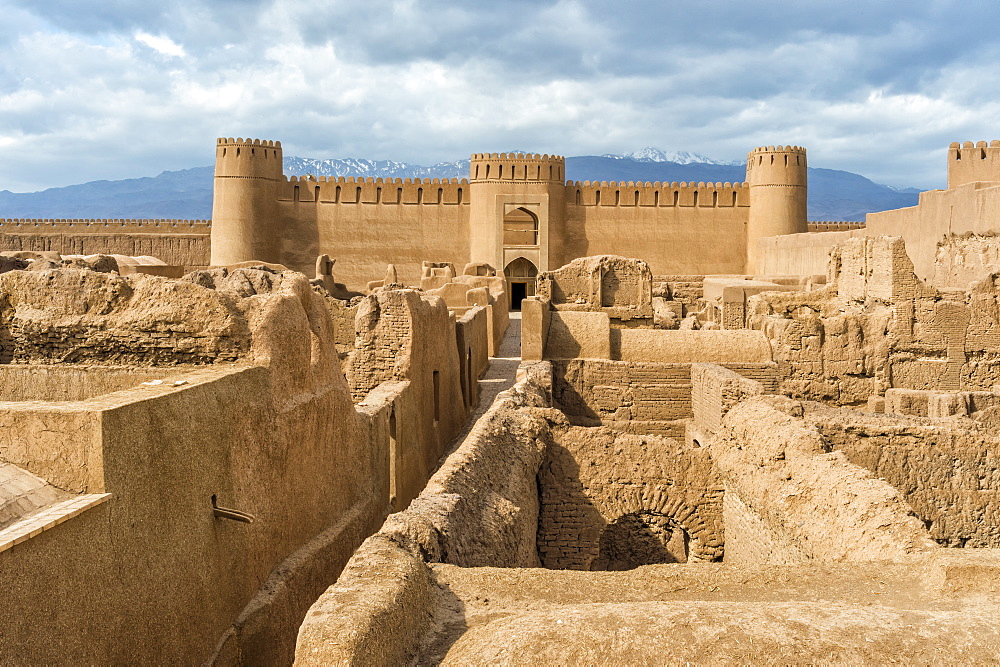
504 420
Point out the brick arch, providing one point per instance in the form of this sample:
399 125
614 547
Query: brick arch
704 532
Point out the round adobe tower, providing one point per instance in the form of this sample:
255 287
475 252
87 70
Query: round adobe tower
244 206
777 176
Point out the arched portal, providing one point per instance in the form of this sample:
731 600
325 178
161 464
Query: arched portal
521 274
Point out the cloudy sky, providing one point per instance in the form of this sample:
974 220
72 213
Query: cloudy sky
121 88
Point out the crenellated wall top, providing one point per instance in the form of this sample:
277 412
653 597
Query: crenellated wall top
110 225
223 141
513 167
358 180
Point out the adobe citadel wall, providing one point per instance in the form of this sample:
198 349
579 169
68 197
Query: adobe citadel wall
177 242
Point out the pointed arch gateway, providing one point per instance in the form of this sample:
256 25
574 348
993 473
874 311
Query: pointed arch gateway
520 274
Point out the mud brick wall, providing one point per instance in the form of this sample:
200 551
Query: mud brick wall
689 290
343 314
83 316
34 342
714 390
593 477
879 327
950 476
795 491
189 250
383 334
753 539
638 397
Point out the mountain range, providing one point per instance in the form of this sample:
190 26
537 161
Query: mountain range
187 194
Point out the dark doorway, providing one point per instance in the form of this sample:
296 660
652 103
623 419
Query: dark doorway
517 293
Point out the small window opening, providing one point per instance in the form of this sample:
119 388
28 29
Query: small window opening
393 458
436 379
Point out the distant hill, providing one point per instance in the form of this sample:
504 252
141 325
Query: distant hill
187 194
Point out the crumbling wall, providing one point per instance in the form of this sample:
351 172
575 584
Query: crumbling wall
383 328
877 326
618 286
472 337
613 501
789 498
963 259
479 509
714 391
687 290
946 469
641 397
82 316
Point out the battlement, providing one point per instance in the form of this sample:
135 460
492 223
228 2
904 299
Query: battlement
507 167
834 225
777 165
103 226
373 179
630 193
248 142
248 158
370 190
970 163
778 149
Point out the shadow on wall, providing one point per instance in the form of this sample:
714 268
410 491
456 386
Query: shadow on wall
641 538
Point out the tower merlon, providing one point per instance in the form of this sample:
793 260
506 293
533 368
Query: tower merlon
531 167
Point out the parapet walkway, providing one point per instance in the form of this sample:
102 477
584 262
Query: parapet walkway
500 375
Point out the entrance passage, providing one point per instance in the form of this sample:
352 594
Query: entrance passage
517 293
521 275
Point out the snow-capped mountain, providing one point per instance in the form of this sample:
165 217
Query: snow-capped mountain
301 166
650 154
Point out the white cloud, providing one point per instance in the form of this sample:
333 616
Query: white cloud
84 97
160 44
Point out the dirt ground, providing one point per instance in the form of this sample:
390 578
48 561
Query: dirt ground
941 609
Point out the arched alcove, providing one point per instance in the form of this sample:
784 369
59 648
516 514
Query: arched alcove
520 228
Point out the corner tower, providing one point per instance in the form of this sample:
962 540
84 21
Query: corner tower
244 206
778 181
517 212
972 163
